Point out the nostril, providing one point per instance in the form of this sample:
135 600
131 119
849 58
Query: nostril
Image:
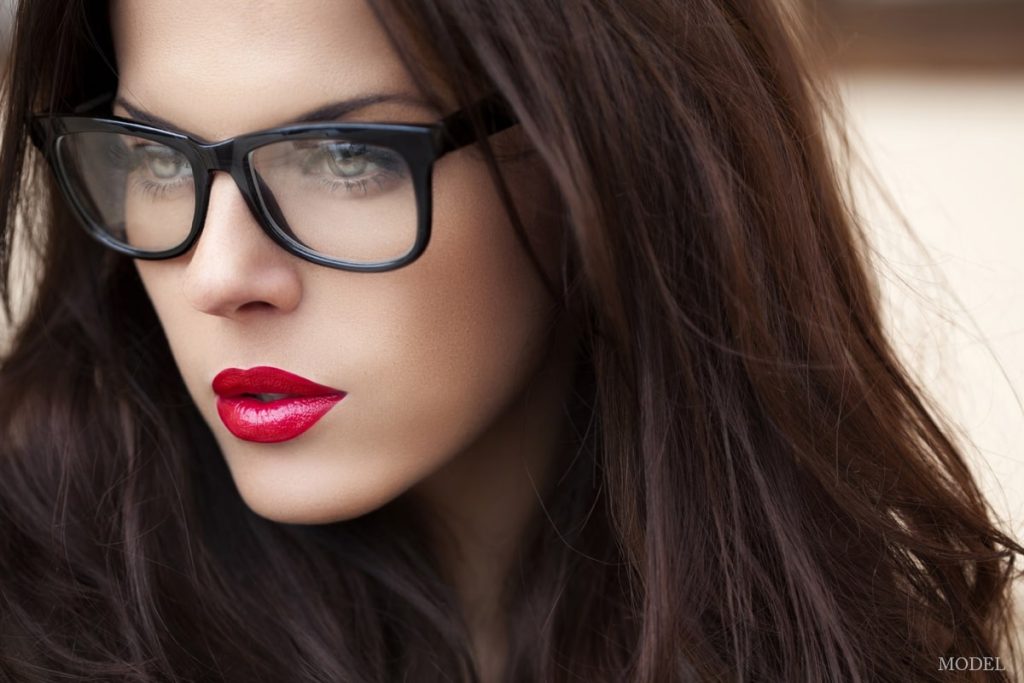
255 306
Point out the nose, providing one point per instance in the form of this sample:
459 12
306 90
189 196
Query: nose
235 268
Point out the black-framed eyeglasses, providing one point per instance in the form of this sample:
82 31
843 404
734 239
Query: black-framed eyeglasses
353 196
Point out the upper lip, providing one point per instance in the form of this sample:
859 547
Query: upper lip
266 380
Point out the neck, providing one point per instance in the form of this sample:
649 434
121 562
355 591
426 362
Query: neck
482 503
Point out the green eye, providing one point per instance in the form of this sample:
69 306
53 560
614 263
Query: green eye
164 163
347 160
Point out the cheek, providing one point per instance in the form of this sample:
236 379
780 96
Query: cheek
459 332
161 282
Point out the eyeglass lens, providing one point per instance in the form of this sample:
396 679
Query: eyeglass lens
344 200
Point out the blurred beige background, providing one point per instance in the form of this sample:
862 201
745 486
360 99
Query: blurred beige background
934 96
949 149
934 91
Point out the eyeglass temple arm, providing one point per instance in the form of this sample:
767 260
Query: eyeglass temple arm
93 104
38 134
457 128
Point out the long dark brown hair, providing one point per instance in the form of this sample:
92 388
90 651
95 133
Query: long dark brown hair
757 491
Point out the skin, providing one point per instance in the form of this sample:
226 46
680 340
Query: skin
455 366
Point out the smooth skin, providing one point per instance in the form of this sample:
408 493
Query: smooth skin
455 369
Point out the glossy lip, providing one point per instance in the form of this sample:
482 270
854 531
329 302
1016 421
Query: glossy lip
251 419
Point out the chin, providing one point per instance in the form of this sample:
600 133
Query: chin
296 501
300 510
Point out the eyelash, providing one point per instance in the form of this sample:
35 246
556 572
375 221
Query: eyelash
352 185
156 190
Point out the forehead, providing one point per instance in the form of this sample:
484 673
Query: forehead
225 67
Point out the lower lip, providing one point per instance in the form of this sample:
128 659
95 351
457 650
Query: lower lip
251 419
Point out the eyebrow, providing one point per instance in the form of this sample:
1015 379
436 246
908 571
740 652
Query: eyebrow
326 113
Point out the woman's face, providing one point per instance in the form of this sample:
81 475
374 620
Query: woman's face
430 357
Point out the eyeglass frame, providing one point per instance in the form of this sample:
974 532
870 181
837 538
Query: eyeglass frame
420 145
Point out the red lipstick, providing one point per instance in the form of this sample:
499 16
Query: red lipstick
268 405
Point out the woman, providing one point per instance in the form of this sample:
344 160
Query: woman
449 340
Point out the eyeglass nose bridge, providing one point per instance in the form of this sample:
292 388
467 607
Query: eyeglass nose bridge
223 157
217 156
